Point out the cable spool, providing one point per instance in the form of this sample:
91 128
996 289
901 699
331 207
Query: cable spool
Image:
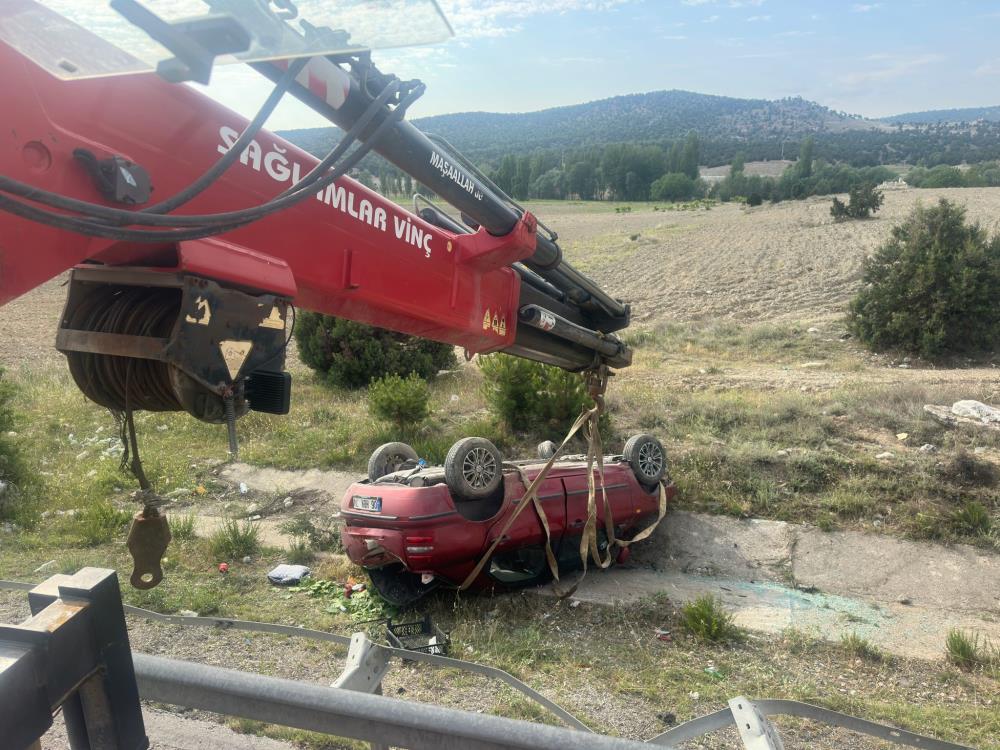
120 383
129 383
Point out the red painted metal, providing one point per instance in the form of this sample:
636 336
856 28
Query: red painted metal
346 251
459 542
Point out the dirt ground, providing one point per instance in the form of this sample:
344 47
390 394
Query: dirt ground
788 261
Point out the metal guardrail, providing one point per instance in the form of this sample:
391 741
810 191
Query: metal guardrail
346 713
352 708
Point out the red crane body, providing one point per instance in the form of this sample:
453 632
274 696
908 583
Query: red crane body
347 252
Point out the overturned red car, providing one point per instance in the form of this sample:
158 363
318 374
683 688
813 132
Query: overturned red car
416 528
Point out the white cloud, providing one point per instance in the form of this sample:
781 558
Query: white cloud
697 2
710 19
988 68
495 18
896 68
675 37
865 7
795 33
757 19
746 3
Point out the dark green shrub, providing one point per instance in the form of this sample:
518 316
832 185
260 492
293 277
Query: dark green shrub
402 401
531 397
673 187
352 354
754 199
933 288
862 202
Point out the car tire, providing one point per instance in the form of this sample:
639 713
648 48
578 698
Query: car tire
547 450
388 458
647 458
473 469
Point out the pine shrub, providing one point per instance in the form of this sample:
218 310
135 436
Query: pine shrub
351 354
932 289
402 401
862 202
532 397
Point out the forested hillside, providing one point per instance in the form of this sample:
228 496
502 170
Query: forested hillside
934 116
756 128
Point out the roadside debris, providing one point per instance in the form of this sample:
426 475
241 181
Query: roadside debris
885 456
223 567
288 575
928 448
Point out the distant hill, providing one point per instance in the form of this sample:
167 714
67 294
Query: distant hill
653 117
760 129
935 116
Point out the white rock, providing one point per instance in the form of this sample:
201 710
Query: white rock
454 397
251 509
979 450
928 448
288 502
885 455
247 560
814 329
243 488
161 428
255 518
976 410
694 695
188 613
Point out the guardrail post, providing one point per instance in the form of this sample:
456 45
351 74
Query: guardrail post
364 669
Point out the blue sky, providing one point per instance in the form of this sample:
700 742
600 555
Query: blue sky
870 58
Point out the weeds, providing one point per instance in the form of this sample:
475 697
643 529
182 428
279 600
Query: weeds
705 619
966 650
962 648
972 518
235 540
860 648
299 552
182 527
100 523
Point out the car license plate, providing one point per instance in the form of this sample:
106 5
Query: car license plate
371 504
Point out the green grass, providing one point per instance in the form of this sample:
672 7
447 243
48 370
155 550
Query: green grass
967 651
861 648
182 527
706 619
235 540
100 523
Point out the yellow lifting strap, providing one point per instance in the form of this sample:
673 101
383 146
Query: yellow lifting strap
589 544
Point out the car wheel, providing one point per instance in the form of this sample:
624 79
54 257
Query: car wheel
473 468
547 450
389 458
645 455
